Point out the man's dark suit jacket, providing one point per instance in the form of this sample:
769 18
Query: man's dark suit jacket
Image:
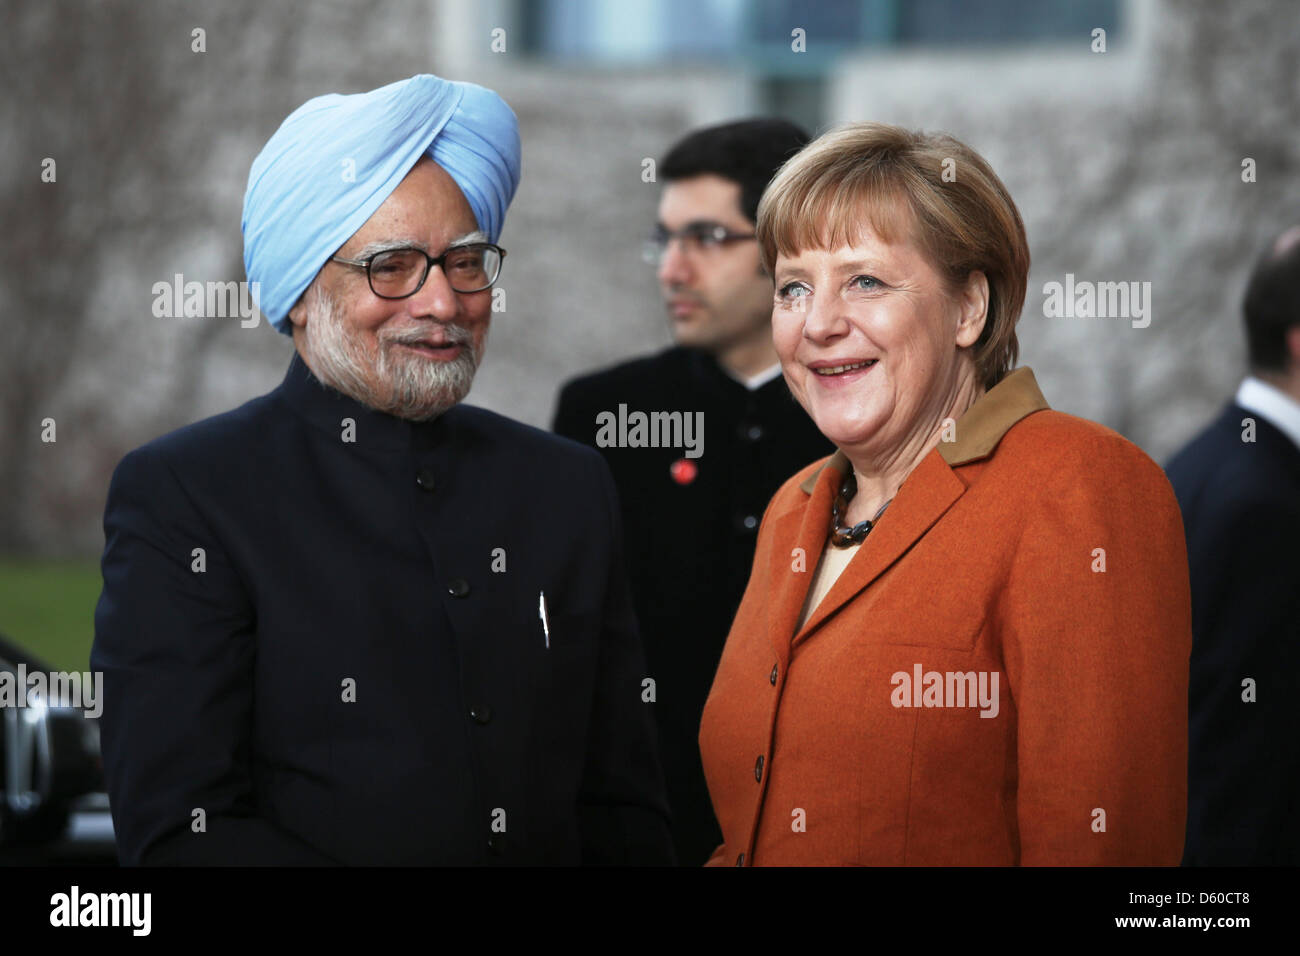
1241 511
359 673
691 545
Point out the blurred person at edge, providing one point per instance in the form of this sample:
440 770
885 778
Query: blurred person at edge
995 594
692 519
1238 483
410 640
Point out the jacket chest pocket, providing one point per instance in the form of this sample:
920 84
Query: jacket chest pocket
932 627
898 611
908 617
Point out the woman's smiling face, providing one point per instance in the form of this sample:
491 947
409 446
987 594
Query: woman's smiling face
869 336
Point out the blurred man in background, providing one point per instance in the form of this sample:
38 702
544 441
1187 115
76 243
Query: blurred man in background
691 514
1238 484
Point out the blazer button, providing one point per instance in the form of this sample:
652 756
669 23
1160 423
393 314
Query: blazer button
458 587
740 860
747 522
772 676
758 769
481 715
424 478
751 432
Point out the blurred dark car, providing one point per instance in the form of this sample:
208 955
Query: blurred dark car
53 808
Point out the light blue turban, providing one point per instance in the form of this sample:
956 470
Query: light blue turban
335 160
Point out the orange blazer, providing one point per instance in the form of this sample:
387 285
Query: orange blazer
998 677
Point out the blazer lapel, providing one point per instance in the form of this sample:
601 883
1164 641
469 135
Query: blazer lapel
925 496
928 492
806 526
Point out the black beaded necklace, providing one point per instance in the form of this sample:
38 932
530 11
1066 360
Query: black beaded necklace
842 537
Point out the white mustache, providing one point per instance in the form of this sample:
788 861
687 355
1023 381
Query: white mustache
451 335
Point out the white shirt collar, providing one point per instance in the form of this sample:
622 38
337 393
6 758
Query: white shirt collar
755 382
1272 404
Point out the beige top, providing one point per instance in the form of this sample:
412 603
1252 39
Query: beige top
829 567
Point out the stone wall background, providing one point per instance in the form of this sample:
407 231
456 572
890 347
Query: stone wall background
1126 166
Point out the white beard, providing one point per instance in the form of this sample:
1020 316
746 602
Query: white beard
395 382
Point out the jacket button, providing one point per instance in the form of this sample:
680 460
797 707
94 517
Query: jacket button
424 478
740 860
758 769
751 432
772 676
481 715
748 522
458 587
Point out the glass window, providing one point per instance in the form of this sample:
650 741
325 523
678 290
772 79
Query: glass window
641 32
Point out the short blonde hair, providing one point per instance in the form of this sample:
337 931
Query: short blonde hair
929 188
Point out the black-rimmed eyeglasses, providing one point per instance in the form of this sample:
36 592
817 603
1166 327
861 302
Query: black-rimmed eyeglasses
399 273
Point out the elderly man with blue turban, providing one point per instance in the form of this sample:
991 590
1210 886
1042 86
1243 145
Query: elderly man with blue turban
354 621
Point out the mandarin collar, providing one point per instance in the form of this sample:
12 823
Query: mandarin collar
326 408
707 368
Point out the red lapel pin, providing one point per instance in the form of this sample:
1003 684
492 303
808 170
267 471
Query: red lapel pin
684 471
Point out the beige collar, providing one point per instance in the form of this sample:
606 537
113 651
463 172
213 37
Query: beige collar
980 429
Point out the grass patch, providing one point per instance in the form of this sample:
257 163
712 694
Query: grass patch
48 608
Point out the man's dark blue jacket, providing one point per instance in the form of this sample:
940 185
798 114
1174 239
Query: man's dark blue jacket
1241 511
321 650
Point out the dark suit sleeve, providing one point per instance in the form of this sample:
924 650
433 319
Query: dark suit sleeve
1245 767
623 811
571 418
176 649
